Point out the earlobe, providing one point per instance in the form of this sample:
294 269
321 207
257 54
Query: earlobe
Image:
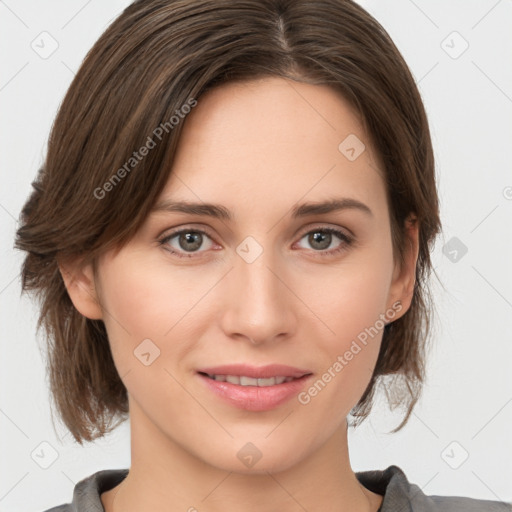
80 285
404 276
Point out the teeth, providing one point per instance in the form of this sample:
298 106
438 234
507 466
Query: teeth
270 381
250 381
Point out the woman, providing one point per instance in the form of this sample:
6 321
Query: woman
231 238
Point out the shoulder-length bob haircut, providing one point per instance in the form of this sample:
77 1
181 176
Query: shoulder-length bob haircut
146 70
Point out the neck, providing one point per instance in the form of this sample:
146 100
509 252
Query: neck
173 479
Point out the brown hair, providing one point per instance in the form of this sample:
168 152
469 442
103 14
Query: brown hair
155 58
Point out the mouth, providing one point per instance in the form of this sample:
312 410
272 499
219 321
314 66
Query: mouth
254 389
244 380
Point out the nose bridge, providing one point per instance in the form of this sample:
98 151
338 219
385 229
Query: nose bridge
259 306
258 276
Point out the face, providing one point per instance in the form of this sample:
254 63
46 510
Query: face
274 284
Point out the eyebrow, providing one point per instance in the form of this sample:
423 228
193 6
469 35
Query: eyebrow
218 211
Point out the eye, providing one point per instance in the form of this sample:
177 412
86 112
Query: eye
321 238
187 240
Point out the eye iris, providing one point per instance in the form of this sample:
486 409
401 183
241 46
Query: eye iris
321 237
190 237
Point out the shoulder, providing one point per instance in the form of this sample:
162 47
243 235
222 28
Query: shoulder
459 503
401 495
87 492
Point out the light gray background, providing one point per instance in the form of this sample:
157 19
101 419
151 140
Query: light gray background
467 404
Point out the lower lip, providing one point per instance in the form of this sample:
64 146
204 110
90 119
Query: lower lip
255 398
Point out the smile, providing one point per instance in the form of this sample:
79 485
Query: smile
243 380
254 392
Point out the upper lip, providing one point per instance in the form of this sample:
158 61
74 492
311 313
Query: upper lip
256 372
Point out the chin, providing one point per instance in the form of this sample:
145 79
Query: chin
253 458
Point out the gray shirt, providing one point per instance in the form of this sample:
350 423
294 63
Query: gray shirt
399 494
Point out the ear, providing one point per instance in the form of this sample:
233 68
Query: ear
78 278
404 274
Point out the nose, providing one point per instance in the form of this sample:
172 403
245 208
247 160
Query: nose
259 306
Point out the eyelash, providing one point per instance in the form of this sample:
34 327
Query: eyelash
348 241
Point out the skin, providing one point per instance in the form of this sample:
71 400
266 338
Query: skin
257 148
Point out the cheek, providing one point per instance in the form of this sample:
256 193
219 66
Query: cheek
141 307
356 296
354 310
138 305
147 300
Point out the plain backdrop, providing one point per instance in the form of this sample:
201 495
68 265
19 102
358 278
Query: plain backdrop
458 440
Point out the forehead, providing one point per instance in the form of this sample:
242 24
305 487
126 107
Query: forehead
273 142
